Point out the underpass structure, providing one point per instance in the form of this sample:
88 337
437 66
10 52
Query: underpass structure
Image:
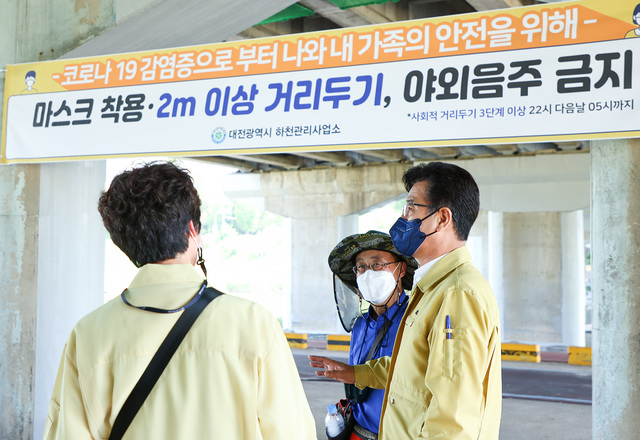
540 202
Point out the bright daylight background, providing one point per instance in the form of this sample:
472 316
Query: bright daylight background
247 250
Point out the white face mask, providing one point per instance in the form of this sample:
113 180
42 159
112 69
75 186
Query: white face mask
376 287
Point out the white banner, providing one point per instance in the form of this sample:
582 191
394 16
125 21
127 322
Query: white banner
579 91
558 72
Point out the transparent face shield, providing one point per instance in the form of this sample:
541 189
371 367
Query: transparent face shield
350 306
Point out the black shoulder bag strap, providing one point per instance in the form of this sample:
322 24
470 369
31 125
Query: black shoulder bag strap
159 362
383 331
352 392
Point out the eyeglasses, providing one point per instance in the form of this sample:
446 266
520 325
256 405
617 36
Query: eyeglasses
362 268
410 206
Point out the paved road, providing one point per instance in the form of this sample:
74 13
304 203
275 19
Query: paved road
517 382
559 386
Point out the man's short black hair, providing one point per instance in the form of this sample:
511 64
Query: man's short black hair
147 209
448 186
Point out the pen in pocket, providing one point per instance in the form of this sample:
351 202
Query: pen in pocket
448 330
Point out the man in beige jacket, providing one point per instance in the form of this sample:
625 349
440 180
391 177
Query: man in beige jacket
232 377
443 380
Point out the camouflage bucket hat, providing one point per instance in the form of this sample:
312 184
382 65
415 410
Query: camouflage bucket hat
342 257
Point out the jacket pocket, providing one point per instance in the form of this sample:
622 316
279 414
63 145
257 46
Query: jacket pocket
404 418
52 419
451 357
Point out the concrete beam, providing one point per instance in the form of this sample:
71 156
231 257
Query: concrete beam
343 18
371 15
532 183
334 158
386 155
443 152
320 192
487 5
256 32
228 161
277 160
191 22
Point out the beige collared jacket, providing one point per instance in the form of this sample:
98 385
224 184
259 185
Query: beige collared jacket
233 376
440 387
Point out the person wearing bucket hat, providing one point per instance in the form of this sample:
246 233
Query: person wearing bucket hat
342 262
444 377
374 270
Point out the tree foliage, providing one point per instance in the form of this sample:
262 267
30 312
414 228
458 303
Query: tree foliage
248 220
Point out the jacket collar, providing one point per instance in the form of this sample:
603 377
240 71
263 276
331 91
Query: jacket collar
402 300
445 265
166 286
161 274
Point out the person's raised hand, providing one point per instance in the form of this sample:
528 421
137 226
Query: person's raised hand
333 369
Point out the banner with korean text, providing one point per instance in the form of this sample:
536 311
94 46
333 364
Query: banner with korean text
554 72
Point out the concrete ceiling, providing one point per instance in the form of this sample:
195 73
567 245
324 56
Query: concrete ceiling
175 23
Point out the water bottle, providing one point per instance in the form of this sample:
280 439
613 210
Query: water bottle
334 421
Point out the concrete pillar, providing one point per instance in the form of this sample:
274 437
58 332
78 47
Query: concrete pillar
347 225
477 243
573 275
312 305
43 264
495 258
70 262
51 274
532 277
615 170
19 200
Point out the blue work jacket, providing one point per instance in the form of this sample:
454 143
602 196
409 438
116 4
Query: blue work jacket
367 414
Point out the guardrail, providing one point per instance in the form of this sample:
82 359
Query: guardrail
521 352
580 355
297 340
510 351
338 342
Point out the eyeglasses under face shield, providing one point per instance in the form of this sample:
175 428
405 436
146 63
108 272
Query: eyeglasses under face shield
359 269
